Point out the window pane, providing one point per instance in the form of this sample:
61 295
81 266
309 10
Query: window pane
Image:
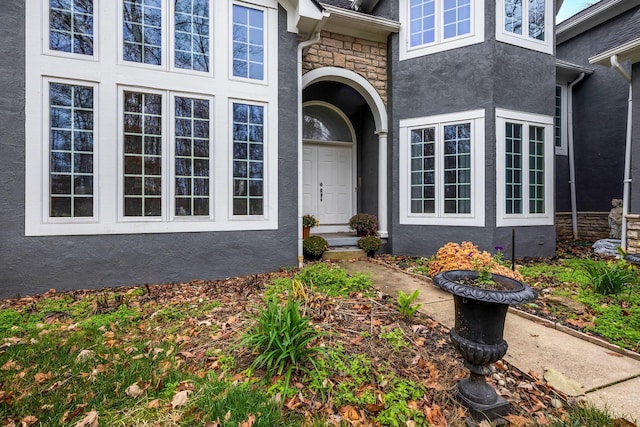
423 170
248 42
456 18
321 123
71 26
536 169
142 32
457 168
536 19
142 154
557 119
513 16
70 150
192 157
192 35
513 161
422 22
248 159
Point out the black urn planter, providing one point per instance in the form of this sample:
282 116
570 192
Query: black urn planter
477 335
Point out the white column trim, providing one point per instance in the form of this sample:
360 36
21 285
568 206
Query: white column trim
383 230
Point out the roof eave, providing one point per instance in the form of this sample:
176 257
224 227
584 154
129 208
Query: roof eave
629 51
356 24
591 17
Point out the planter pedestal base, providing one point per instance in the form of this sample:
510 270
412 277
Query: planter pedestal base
481 399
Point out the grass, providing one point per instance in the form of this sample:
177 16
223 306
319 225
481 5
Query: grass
608 290
63 356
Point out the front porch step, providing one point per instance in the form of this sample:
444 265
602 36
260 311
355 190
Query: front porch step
341 239
343 253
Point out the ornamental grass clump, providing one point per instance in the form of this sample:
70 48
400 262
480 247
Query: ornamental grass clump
467 256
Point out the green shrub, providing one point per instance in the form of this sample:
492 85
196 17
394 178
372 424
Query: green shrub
364 224
282 339
313 247
404 304
333 281
370 244
609 277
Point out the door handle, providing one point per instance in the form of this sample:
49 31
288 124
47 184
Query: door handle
320 191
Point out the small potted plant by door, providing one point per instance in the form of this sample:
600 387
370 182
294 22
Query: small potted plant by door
313 247
370 244
481 299
308 221
364 224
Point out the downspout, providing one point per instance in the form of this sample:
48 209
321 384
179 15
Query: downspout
315 37
572 165
627 153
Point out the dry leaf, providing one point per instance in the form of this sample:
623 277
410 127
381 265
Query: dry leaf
28 421
518 421
212 424
41 377
621 422
227 416
349 412
84 355
134 391
435 416
154 404
180 398
90 420
249 421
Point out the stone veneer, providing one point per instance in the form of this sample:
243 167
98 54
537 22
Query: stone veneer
633 234
365 57
592 226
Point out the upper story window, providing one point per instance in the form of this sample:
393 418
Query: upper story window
248 42
441 169
431 26
524 169
142 31
71 26
191 35
526 23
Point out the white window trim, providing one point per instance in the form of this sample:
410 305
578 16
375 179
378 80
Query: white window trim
477 216
269 162
524 40
267 39
171 42
46 164
476 35
525 219
562 150
78 56
108 74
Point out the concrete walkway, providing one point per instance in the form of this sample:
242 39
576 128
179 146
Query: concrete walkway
606 377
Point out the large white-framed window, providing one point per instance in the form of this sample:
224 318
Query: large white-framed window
70 27
124 147
524 168
430 26
560 120
525 23
442 169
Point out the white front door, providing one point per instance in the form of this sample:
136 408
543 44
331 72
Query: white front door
328 182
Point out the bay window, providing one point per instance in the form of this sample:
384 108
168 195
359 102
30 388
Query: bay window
442 178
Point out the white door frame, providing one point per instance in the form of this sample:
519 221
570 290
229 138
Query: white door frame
379 112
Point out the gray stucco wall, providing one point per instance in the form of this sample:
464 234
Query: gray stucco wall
482 76
599 123
35 264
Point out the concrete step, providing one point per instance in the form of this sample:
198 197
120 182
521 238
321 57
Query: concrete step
341 239
343 253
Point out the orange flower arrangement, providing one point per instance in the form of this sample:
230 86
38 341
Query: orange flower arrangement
466 256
